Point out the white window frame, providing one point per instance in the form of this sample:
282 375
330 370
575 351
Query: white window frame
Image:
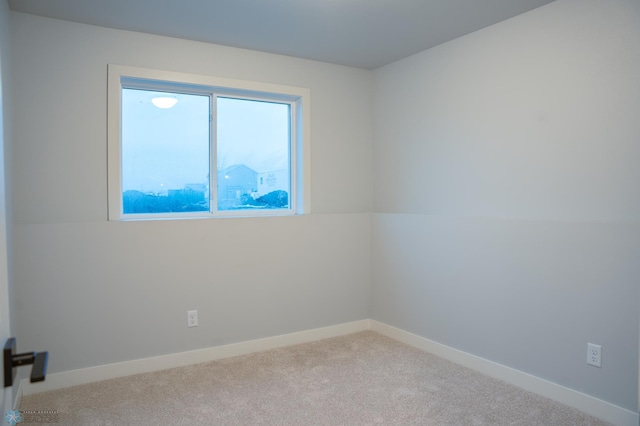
298 98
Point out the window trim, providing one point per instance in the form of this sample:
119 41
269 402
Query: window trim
300 156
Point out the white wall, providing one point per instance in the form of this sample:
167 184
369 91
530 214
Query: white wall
506 194
5 214
94 292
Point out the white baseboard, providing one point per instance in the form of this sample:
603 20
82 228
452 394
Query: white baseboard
587 404
16 403
121 369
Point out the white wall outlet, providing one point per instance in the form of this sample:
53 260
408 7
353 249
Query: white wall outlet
192 318
594 355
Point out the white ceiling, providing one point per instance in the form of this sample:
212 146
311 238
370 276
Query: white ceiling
359 33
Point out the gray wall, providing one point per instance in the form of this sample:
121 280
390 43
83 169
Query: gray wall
506 194
94 292
5 217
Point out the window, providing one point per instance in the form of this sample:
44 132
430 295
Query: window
184 146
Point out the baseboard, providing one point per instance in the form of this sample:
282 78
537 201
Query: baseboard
587 404
121 369
16 403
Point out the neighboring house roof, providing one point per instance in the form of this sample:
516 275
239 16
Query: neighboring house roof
236 168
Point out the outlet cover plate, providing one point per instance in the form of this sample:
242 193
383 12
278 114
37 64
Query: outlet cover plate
594 355
192 318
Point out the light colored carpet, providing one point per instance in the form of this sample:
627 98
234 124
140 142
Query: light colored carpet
358 379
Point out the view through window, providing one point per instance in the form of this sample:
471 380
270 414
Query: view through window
253 160
189 150
165 152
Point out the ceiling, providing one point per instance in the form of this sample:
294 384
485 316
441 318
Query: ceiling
359 33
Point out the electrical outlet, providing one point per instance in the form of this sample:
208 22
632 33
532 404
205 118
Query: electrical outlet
192 318
594 355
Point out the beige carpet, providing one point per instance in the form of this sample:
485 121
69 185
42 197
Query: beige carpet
359 379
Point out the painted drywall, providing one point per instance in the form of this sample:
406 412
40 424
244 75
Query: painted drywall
5 313
95 292
506 194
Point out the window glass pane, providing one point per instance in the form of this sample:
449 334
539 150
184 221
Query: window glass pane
165 152
253 151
